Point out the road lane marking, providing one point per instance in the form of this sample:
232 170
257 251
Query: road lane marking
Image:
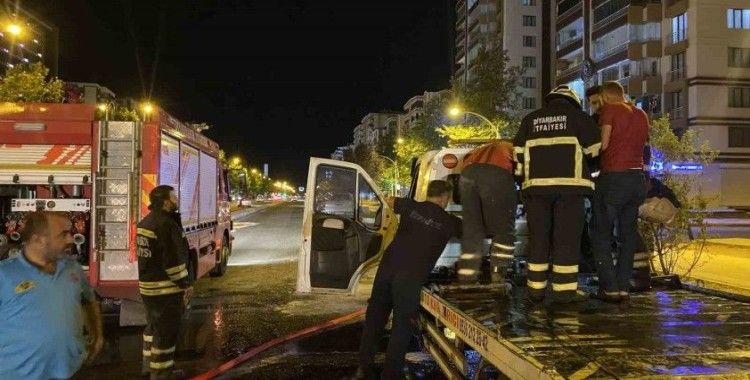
240 225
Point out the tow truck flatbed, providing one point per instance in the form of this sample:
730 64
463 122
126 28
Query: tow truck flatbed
660 333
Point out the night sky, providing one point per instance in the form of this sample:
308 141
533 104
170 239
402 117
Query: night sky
278 80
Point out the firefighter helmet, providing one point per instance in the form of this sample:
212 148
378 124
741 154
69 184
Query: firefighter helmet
564 92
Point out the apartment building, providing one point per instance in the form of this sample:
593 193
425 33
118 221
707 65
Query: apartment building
604 40
689 59
707 86
372 128
517 24
414 108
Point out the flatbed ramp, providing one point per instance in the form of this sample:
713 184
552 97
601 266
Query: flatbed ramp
657 334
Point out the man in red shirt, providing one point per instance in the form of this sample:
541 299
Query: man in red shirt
619 191
489 201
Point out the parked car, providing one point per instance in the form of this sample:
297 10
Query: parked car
246 202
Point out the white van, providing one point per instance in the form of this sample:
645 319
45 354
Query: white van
340 250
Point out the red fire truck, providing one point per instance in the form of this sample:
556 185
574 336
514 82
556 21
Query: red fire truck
60 157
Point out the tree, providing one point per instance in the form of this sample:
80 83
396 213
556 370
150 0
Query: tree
454 133
29 84
671 243
493 89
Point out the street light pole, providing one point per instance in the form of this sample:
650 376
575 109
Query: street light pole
395 173
456 111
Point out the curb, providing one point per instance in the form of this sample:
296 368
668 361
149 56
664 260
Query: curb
728 244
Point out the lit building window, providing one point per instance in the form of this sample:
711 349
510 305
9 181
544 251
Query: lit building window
738 18
679 28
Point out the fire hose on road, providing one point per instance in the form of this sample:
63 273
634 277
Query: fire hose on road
278 341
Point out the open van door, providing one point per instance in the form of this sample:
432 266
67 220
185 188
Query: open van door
346 226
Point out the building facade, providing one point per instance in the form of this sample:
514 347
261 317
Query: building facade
517 25
707 58
26 38
610 40
373 127
689 59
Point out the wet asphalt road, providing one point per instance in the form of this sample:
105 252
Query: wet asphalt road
253 303
271 235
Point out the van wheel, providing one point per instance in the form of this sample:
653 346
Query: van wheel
221 266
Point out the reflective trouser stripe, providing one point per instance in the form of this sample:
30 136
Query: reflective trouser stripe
537 278
469 256
565 269
536 284
468 265
147 341
502 255
538 267
162 365
175 269
157 351
503 246
179 276
565 287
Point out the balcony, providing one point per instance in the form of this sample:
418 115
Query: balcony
677 74
652 84
568 42
606 52
566 7
568 70
601 21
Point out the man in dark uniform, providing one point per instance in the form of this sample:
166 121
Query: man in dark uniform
424 230
550 149
164 282
489 200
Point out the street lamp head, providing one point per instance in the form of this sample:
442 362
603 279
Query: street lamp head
14 29
236 161
455 111
400 140
147 108
254 170
102 107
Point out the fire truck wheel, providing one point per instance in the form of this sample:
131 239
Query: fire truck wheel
221 266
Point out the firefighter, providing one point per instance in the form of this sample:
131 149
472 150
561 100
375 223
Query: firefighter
489 200
550 148
163 280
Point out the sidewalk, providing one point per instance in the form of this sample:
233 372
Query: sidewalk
724 266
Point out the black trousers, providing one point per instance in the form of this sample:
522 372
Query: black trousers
555 224
163 315
397 293
616 200
489 200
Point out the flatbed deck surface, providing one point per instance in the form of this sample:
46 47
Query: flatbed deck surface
659 333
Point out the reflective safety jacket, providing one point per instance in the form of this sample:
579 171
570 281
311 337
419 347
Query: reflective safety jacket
552 148
162 252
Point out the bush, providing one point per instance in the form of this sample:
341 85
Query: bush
671 244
